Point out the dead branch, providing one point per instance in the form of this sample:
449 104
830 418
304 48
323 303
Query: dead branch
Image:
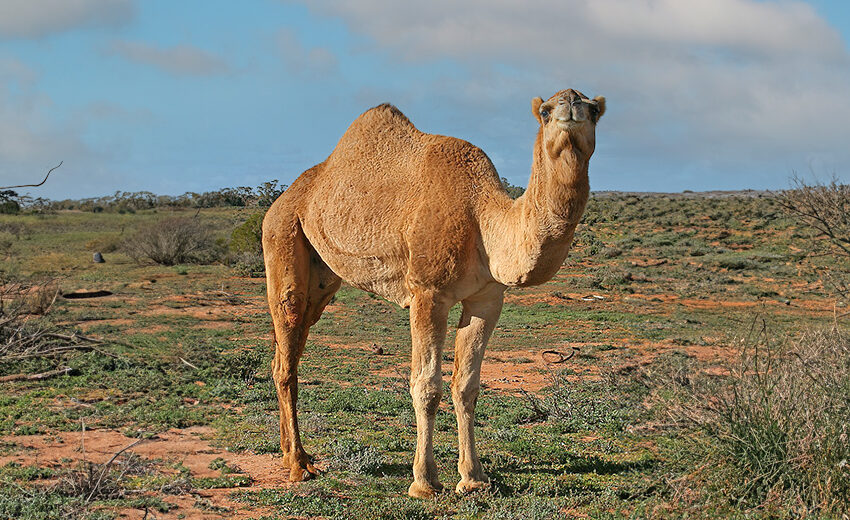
824 208
35 377
106 467
537 408
33 185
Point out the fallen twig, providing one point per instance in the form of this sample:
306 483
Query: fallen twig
540 414
188 364
35 377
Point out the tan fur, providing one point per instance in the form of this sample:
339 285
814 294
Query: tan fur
423 221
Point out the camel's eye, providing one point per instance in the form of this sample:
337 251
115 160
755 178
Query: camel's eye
544 113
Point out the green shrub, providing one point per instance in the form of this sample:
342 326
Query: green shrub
246 247
585 405
248 237
733 262
9 207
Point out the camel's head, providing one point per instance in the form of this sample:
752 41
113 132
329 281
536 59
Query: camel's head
568 121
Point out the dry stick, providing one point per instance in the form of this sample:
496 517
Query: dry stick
94 341
83 437
33 185
35 377
107 465
55 352
188 364
534 402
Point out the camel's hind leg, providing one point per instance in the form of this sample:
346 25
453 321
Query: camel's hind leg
299 286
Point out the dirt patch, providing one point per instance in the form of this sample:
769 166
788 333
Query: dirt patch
190 447
522 369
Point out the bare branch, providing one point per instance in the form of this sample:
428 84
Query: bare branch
35 377
106 467
33 185
824 208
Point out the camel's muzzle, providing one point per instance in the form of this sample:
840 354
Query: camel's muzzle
578 110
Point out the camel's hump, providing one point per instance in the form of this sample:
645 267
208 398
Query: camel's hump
384 114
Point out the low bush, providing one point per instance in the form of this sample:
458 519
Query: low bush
171 241
104 244
780 423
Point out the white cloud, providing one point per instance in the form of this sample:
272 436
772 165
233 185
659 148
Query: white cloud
696 84
181 60
572 28
38 18
314 62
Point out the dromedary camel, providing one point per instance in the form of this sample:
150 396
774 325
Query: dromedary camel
423 221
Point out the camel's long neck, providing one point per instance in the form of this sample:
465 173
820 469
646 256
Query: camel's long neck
528 241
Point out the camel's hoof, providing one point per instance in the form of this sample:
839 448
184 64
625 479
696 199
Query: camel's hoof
465 487
425 490
301 472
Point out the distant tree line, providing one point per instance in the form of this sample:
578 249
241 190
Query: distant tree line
129 202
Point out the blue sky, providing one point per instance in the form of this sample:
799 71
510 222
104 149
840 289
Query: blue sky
196 95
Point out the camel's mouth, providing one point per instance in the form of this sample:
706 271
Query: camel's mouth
575 114
569 124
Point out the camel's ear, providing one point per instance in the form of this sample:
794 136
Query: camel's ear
535 108
600 106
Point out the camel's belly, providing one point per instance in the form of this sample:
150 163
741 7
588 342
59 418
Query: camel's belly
368 263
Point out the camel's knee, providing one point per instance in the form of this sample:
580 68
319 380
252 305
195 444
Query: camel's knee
426 394
466 394
284 374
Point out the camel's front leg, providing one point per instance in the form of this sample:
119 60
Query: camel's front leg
477 322
428 318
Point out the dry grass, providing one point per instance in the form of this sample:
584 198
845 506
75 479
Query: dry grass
779 421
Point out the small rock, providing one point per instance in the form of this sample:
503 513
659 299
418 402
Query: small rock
98 258
379 351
